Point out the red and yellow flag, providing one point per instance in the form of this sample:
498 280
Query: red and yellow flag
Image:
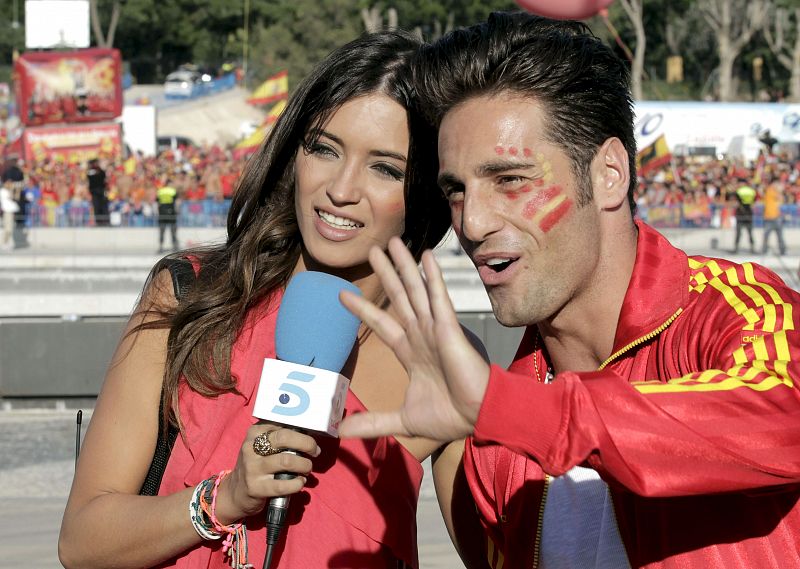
273 89
653 156
274 113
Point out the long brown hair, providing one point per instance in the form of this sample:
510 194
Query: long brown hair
264 242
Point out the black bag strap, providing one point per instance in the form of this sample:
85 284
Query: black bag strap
183 277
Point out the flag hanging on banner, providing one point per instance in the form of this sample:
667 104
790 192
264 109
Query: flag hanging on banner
274 113
273 89
653 156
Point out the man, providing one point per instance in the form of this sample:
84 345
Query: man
96 178
773 220
167 196
8 207
651 415
745 198
15 206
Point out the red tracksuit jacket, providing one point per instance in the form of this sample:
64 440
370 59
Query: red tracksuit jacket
693 422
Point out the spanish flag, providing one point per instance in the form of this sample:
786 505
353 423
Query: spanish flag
274 113
273 89
653 156
251 143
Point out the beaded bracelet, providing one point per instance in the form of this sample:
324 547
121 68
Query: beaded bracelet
235 544
202 525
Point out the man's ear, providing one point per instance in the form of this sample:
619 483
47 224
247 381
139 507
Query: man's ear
611 175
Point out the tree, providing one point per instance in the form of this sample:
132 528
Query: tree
373 19
296 34
786 44
635 11
107 39
734 22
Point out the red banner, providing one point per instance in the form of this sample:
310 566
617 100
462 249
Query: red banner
75 86
72 144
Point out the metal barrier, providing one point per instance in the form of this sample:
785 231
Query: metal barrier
213 213
709 215
191 213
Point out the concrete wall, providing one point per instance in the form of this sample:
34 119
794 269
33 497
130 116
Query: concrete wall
68 241
49 357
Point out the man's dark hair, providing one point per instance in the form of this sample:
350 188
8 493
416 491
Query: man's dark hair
582 86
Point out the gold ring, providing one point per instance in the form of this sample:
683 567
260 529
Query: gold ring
262 446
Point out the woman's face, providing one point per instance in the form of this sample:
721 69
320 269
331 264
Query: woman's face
349 183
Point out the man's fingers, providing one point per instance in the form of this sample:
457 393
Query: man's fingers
370 425
441 305
412 279
391 283
379 321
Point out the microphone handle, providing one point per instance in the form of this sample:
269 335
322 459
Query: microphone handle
278 509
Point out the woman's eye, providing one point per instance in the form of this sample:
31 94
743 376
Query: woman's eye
321 149
389 171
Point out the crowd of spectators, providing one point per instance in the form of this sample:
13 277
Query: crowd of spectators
683 193
57 194
702 192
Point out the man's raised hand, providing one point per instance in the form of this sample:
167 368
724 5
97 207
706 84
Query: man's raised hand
448 377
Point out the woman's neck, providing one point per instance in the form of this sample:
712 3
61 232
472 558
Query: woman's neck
361 275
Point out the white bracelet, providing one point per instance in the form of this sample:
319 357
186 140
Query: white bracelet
198 517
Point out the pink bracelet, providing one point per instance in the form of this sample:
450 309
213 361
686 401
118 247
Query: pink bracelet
235 544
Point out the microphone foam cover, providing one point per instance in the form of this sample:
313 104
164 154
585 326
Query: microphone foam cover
313 327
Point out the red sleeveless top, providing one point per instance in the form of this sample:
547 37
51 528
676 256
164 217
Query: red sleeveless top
358 508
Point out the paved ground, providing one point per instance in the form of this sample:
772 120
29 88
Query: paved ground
37 446
38 450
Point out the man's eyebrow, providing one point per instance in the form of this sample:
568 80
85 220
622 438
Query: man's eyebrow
499 166
447 179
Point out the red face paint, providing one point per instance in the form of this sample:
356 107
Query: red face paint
499 150
538 182
538 201
512 151
527 152
514 194
552 218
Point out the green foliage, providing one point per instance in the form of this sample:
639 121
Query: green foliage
12 34
296 34
155 36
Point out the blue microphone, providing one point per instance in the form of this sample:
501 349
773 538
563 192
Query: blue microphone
313 327
302 388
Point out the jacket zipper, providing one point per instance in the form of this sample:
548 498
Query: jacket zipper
537 545
641 340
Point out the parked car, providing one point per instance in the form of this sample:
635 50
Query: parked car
182 84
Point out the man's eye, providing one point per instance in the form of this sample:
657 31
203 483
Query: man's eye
454 194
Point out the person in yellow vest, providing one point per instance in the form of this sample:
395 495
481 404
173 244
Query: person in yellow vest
773 221
167 197
746 197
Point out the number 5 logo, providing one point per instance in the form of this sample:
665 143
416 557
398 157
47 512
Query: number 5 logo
303 398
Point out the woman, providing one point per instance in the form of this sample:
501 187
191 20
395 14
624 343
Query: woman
348 165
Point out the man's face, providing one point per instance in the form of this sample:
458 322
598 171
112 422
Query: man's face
515 207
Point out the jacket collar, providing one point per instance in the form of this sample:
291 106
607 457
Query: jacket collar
657 289
659 286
